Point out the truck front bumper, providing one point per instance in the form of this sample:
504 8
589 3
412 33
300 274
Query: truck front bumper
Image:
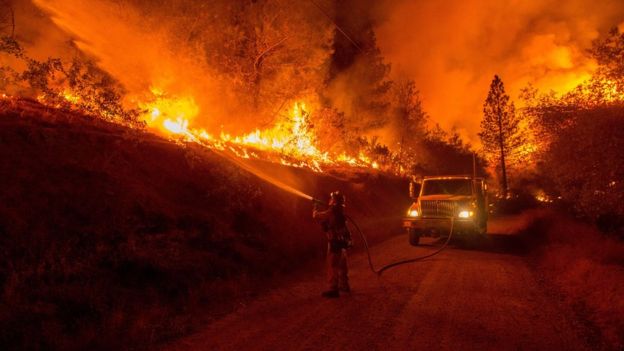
440 225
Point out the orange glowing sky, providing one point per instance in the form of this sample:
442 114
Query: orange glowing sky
452 49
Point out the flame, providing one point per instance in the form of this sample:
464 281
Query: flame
541 196
291 141
291 137
168 114
70 97
612 91
179 126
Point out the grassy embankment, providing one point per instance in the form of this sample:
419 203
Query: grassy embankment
113 237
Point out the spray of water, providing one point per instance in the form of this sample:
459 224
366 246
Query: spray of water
299 193
262 175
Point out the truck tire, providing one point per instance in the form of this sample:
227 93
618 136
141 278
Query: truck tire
482 229
414 237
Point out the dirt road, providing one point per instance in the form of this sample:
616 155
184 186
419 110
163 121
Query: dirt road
487 299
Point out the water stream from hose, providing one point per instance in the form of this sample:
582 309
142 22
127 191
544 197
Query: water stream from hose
290 189
260 174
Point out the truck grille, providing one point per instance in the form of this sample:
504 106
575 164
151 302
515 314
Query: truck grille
438 208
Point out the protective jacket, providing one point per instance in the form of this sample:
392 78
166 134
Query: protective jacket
334 225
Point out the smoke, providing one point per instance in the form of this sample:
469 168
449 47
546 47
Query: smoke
233 64
140 50
452 49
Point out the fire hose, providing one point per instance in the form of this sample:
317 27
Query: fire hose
299 193
379 271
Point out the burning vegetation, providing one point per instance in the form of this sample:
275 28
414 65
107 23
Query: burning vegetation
289 85
286 95
303 84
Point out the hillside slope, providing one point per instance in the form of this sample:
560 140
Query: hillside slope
111 236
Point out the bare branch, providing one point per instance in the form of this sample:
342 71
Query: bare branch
260 57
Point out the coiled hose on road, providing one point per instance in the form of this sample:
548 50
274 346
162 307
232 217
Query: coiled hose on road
398 263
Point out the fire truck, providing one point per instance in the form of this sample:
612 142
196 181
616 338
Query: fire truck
439 199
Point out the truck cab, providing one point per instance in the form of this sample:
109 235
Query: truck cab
439 199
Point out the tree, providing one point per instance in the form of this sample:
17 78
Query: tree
581 135
358 83
609 52
501 133
80 84
266 53
410 122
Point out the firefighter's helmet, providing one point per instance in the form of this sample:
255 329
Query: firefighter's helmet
336 198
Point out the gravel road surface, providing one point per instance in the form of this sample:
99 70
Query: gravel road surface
486 298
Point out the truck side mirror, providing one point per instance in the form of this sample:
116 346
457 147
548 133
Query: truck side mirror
414 189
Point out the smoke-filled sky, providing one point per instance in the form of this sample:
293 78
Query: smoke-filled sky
453 48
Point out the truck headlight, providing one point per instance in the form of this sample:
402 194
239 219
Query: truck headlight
465 214
412 213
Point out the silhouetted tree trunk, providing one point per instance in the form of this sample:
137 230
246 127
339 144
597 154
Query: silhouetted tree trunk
499 117
500 130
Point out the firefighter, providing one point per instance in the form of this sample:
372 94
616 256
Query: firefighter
334 225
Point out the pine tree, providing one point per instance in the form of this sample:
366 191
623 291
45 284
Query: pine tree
501 134
409 122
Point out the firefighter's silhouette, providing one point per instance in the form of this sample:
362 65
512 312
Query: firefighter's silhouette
334 225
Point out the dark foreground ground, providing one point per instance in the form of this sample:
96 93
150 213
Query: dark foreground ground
114 238
485 299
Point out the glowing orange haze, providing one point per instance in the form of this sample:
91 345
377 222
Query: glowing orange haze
175 91
452 49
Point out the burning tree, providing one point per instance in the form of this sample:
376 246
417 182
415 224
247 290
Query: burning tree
268 53
581 137
300 83
411 122
79 84
501 133
609 53
358 81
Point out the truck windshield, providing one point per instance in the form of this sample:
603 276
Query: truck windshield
447 187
